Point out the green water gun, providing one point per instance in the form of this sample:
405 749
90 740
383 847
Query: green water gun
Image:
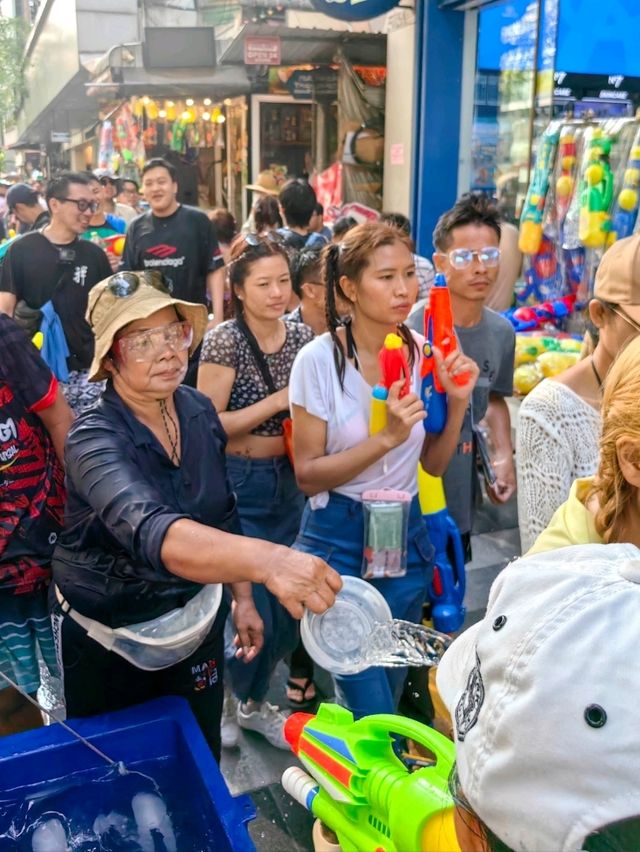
596 192
533 209
358 787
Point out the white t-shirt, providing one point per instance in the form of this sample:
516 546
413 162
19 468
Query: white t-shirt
314 386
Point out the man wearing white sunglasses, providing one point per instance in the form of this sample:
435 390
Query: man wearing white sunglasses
467 239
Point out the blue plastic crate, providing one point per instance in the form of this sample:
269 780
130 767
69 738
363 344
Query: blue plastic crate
160 729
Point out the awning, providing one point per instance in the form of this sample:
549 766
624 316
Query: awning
311 46
216 83
69 109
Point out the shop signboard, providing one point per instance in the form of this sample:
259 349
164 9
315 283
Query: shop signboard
262 50
60 136
354 10
325 84
300 85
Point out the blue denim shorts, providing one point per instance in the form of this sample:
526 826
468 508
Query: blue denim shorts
336 534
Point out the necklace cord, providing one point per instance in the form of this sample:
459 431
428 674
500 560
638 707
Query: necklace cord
597 375
173 438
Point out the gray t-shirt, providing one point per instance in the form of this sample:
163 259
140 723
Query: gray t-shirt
491 344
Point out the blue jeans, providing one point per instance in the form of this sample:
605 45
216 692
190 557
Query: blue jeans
336 533
270 506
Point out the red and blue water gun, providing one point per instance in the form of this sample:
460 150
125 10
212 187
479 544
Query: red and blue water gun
438 331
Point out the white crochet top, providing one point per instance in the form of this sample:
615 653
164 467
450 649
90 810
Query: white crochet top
556 442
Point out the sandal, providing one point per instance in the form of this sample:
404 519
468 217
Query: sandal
302 689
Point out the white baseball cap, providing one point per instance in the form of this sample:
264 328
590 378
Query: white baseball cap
544 695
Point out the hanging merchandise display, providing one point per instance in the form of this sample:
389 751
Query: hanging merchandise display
584 195
145 127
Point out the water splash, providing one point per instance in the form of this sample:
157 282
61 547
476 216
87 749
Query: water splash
398 643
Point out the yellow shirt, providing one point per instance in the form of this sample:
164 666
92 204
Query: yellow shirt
572 523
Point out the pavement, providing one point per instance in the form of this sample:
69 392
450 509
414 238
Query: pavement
255 767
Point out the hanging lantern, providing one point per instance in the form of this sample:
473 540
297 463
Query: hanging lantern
170 108
137 107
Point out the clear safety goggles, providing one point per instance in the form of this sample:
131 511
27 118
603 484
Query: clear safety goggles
461 258
146 346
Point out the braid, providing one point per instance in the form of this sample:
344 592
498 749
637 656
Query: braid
409 341
331 279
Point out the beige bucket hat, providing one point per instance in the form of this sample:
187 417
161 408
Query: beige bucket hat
266 183
127 296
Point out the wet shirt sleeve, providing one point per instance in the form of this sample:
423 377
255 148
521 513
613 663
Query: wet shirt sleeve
103 474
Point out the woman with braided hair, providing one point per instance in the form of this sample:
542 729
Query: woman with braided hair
337 461
606 508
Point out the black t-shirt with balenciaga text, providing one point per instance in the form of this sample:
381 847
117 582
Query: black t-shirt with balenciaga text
37 270
183 246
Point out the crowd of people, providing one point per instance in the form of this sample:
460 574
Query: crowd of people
199 416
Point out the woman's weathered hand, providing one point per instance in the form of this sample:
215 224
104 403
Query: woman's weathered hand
456 364
402 414
250 636
301 580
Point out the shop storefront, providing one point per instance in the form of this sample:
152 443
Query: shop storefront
316 108
206 141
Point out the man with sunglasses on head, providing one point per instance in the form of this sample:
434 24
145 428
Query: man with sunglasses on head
54 265
466 240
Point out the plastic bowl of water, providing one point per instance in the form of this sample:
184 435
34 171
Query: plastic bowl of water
337 639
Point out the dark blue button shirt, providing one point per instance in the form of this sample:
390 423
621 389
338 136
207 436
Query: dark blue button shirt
123 495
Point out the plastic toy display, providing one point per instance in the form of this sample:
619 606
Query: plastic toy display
438 331
358 787
584 194
533 210
596 192
625 211
535 316
540 357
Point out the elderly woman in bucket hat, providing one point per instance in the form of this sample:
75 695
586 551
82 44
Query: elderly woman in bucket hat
151 525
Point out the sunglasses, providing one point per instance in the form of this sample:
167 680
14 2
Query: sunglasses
81 203
144 347
462 258
254 240
625 316
124 284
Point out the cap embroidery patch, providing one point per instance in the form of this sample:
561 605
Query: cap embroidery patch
471 700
